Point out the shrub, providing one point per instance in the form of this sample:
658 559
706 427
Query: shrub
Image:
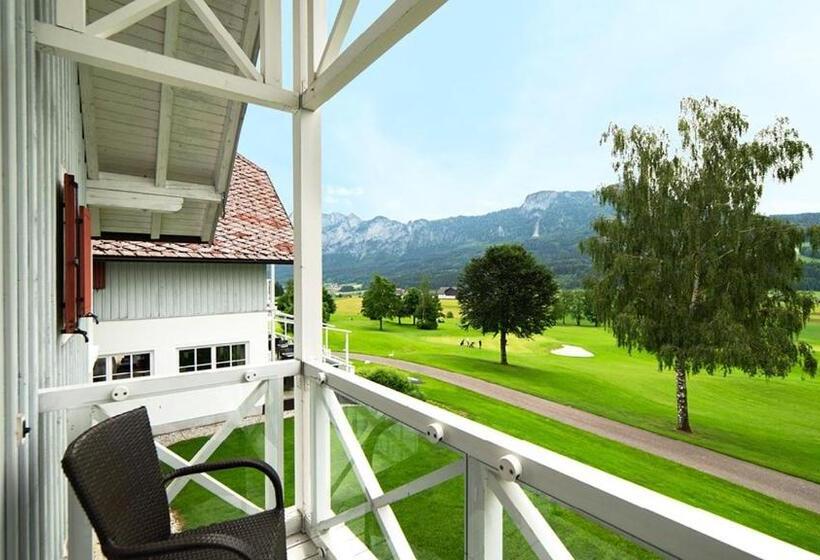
395 381
449 314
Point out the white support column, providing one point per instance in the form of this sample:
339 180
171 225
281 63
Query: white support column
312 424
485 535
80 540
274 435
270 41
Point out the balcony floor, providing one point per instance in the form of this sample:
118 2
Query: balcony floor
300 547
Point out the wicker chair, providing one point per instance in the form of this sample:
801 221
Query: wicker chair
115 472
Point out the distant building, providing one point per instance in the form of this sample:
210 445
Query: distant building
171 305
448 292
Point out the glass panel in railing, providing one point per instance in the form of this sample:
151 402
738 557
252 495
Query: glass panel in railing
204 426
427 477
583 537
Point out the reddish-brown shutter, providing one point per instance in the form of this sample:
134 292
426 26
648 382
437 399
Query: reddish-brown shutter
84 265
99 275
70 257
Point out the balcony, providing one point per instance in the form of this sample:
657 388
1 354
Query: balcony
373 473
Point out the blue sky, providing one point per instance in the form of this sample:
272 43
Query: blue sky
489 100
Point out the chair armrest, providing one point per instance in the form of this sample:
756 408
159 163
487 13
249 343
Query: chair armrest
233 464
201 541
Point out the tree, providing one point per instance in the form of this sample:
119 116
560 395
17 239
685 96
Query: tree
429 308
410 302
588 304
284 302
575 305
686 268
380 300
560 306
506 291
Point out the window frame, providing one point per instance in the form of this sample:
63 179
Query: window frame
109 367
214 364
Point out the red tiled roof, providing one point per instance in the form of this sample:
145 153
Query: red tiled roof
254 227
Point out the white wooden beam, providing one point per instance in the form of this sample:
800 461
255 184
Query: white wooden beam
166 98
156 225
236 111
125 17
341 25
391 530
397 21
270 41
88 111
209 222
224 38
144 185
107 198
71 14
311 422
87 394
117 57
484 516
425 482
219 436
536 531
208 482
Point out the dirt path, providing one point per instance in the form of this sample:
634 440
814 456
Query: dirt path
790 489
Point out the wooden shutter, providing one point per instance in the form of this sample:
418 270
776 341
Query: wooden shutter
84 266
70 256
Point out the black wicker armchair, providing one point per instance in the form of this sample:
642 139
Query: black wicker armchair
115 472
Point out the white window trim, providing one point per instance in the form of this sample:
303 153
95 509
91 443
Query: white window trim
109 370
213 348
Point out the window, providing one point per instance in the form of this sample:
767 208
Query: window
210 357
121 366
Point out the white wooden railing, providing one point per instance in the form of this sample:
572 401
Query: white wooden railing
496 467
283 324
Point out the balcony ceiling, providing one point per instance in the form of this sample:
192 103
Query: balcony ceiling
174 146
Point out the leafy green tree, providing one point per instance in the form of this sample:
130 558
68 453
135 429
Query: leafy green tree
410 302
284 302
588 303
575 305
380 300
429 308
560 307
686 268
506 291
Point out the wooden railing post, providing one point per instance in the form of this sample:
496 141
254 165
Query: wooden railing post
484 533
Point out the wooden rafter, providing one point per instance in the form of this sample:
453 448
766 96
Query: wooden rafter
125 17
341 25
397 21
92 162
166 102
117 57
208 18
270 41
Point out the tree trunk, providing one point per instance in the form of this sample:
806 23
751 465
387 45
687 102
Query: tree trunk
504 348
399 318
381 326
682 399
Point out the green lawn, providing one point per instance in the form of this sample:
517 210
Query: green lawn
772 422
433 520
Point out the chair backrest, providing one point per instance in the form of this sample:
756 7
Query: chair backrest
115 472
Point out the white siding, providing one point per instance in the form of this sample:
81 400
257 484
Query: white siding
41 138
155 290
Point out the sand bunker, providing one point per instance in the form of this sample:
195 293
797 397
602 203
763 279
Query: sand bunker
572 352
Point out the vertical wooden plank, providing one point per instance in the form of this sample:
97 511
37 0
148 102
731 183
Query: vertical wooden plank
274 435
312 423
484 535
270 40
79 529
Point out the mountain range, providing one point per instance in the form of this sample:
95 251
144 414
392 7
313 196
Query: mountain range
548 223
